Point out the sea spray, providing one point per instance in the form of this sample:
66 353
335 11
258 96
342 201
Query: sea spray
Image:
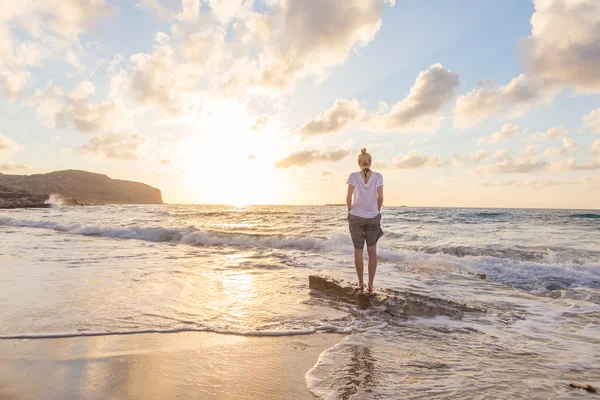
55 200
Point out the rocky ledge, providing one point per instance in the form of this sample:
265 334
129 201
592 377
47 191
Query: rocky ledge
14 198
398 303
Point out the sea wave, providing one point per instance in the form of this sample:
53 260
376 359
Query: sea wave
536 271
585 215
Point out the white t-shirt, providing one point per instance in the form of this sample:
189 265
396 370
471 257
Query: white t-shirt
364 198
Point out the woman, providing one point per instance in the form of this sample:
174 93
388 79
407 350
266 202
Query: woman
364 201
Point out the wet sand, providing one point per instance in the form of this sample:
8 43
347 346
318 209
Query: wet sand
160 366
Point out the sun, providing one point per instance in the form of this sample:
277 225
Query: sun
229 163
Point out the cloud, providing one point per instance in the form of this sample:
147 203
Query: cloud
326 173
592 121
45 29
507 131
535 183
553 59
308 157
158 80
490 100
501 154
303 39
337 118
596 147
568 144
523 164
114 146
474 157
568 56
7 145
13 83
57 109
552 133
418 111
261 123
314 36
83 90
414 159
479 156
572 165
157 9
9 166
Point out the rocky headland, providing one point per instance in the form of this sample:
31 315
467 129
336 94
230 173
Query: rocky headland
72 187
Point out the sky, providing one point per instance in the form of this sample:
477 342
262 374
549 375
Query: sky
461 103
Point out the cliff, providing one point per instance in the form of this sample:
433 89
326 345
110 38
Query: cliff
83 187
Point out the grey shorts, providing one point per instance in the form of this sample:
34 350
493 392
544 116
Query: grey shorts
362 229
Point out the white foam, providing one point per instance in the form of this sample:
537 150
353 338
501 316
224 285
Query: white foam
531 275
55 200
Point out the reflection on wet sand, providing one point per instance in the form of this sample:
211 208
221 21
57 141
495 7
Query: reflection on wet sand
160 366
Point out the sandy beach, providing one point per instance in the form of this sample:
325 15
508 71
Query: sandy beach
160 366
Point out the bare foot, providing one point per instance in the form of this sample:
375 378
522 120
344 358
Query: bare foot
359 287
370 288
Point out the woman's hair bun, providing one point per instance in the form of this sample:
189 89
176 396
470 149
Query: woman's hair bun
363 150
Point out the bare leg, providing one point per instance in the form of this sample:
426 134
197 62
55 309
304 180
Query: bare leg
358 263
372 251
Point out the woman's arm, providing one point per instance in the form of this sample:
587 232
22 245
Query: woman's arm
349 197
379 197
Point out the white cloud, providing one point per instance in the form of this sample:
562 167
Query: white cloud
501 154
83 90
596 147
568 144
525 162
507 132
309 157
158 80
307 39
535 183
414 159
419 111
116 60
13 83
261 123
479 156
157 9
336 119
46 28
114 146
572 165
57 109
490 100
553 59
7 145
9 166
568 56
474 157
592 121
552 133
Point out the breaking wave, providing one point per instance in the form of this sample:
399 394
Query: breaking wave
539 271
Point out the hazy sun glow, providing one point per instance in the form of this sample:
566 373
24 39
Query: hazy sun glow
229 163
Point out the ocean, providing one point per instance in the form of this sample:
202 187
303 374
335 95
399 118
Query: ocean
534 274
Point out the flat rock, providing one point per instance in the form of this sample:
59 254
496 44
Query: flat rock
399 303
